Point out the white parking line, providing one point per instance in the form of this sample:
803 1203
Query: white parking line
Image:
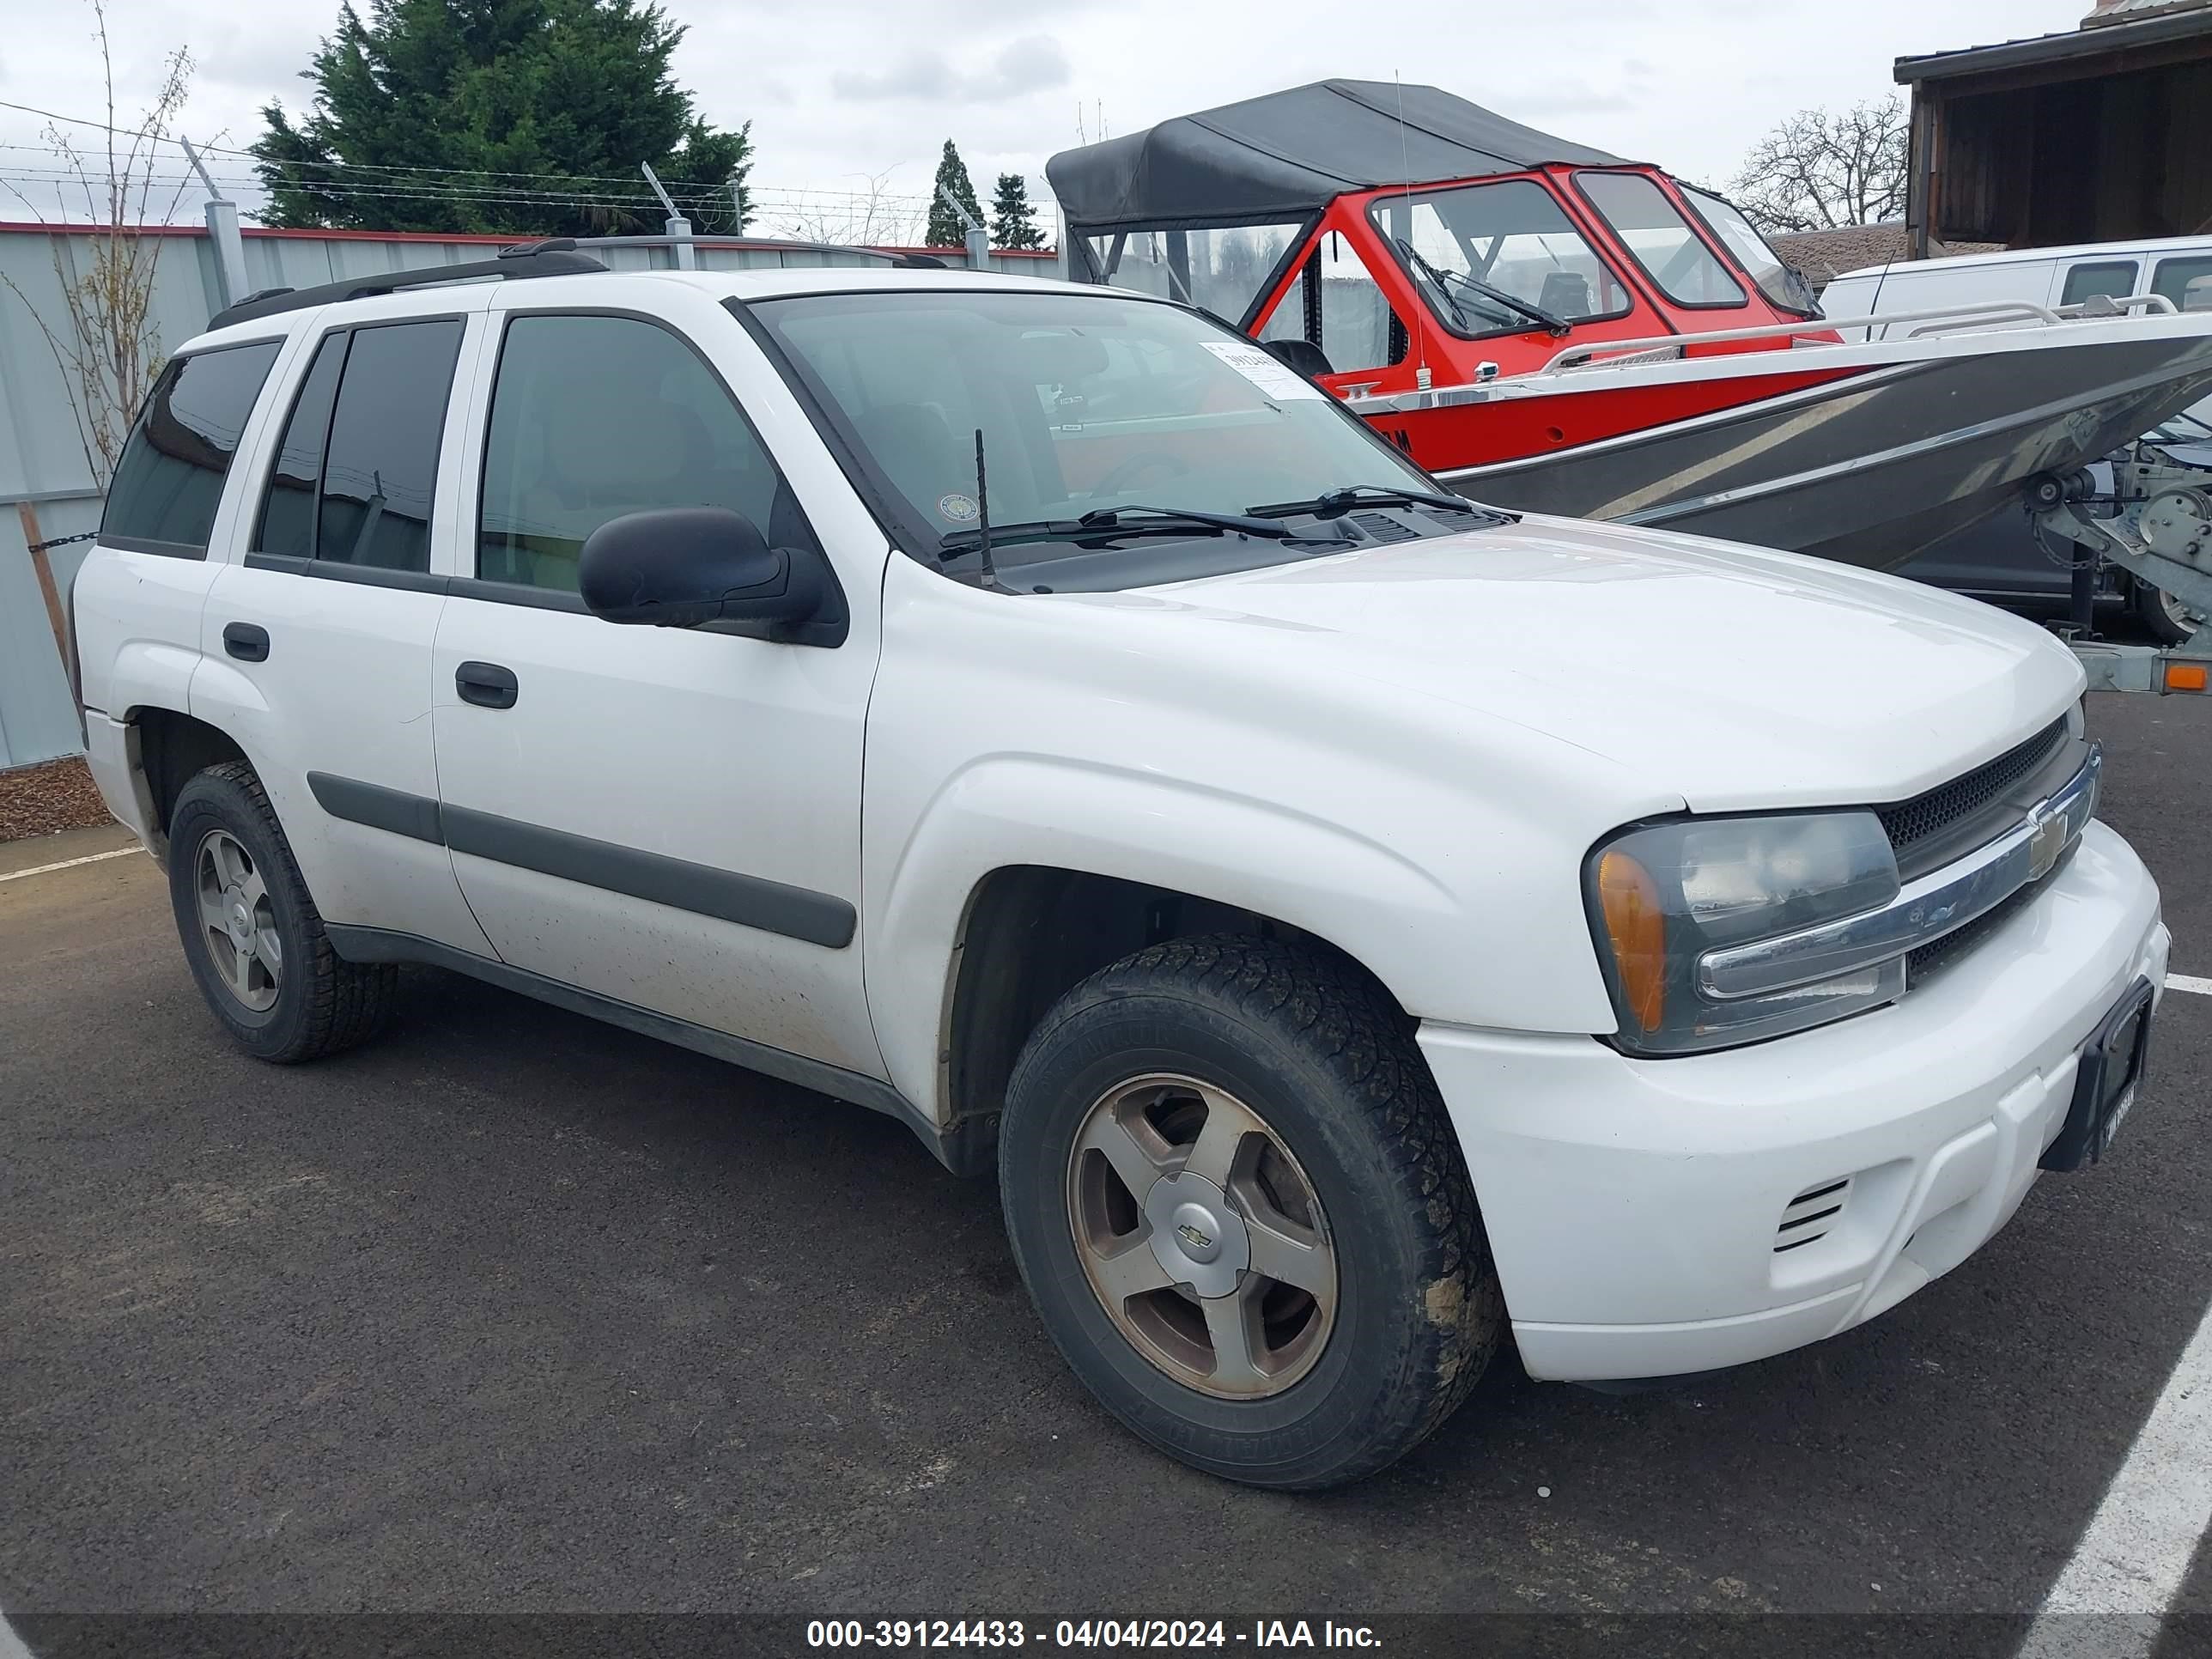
2189 983
11 1646
122 852
2111 1599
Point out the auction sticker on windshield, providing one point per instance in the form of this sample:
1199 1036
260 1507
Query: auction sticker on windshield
1261 368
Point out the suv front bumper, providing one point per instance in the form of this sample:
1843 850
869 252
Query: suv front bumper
1656 1217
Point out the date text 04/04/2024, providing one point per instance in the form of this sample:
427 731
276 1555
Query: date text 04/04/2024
1098 1634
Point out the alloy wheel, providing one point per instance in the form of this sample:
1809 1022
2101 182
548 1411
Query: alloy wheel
237 921
1202 1237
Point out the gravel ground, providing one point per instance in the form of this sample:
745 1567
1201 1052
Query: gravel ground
40 800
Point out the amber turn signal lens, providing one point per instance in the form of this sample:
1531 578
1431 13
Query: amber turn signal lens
1637 927
2185 676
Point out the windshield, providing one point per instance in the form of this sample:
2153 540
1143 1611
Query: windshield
1222 270
1660 238
1510 237
1086 402
1783 286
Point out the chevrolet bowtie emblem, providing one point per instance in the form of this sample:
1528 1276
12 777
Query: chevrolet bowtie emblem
1192 1237
2047 843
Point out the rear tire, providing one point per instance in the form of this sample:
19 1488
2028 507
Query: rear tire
251 934
1336 1141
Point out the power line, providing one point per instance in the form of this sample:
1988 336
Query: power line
355 167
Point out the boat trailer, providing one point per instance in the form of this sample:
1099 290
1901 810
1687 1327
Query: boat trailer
2168 544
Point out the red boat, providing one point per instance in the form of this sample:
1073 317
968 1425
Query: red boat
1549 327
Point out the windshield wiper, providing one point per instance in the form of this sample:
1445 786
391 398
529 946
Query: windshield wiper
1110 523
1443 279
1335 503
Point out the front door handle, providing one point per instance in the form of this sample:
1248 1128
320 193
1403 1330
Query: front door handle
486 684
246 641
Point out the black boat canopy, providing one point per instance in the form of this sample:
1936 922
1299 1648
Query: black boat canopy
1288 155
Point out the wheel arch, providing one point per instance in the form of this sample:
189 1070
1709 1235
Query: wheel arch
167 747
1029 932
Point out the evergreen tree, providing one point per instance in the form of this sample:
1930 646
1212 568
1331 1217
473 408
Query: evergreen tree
1013 220
945 229
529 116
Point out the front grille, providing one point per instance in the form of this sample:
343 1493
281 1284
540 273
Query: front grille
1812 1215
1926 817
1938 954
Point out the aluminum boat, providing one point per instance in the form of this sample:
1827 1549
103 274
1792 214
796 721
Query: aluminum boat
1549 327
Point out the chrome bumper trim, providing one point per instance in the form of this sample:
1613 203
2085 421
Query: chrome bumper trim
1923 912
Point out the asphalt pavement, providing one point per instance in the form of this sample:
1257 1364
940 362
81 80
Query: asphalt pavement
515 1312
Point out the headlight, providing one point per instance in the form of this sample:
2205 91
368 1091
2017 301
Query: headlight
1661 896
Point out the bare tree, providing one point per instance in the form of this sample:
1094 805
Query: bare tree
104 342
1818 170
865 218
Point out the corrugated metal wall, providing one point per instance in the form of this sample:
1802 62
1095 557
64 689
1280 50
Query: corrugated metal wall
42 458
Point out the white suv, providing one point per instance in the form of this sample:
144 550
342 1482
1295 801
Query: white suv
1355 924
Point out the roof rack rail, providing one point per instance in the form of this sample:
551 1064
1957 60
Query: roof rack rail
556 258
904 257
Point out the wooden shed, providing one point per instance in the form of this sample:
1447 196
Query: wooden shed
2101 133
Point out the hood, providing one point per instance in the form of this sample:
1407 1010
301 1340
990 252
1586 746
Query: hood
1730 676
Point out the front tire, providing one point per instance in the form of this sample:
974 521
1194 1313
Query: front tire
251 934
1234 1195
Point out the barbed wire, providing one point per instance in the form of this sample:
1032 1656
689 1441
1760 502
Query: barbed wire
420 170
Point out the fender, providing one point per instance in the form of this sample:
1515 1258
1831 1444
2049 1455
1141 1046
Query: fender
1374 901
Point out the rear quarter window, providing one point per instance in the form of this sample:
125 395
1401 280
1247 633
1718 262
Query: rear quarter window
169 480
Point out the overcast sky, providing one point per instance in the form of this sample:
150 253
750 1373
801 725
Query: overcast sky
837 90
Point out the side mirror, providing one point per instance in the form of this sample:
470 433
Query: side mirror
680 567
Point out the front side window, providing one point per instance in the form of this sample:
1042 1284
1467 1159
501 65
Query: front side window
168 480
1498 258
656 429
1354 327
1223 270
2110 279
1086 404
1775 280
380 462
1659 239
2187 283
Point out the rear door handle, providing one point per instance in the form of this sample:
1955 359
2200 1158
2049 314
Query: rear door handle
246 641
486 684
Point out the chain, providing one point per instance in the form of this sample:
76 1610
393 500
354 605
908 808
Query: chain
62 541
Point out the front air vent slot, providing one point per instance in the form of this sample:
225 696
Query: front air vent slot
1382 527
1811 1216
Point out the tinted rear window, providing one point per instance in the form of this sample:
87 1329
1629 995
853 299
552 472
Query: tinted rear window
380 467
169 481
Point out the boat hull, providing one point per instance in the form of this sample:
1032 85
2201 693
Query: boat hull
1861 459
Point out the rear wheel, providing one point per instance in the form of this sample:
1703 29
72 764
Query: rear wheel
251 934
1234 1195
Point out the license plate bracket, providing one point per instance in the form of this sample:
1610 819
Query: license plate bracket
2104 1083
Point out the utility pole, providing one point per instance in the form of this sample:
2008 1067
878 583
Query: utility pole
221 214
677 225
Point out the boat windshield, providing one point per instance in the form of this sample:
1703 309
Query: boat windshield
1511 238
1087 402
1775 280
1221 270
1660 240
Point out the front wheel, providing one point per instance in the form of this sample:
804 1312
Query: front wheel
1234 1195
